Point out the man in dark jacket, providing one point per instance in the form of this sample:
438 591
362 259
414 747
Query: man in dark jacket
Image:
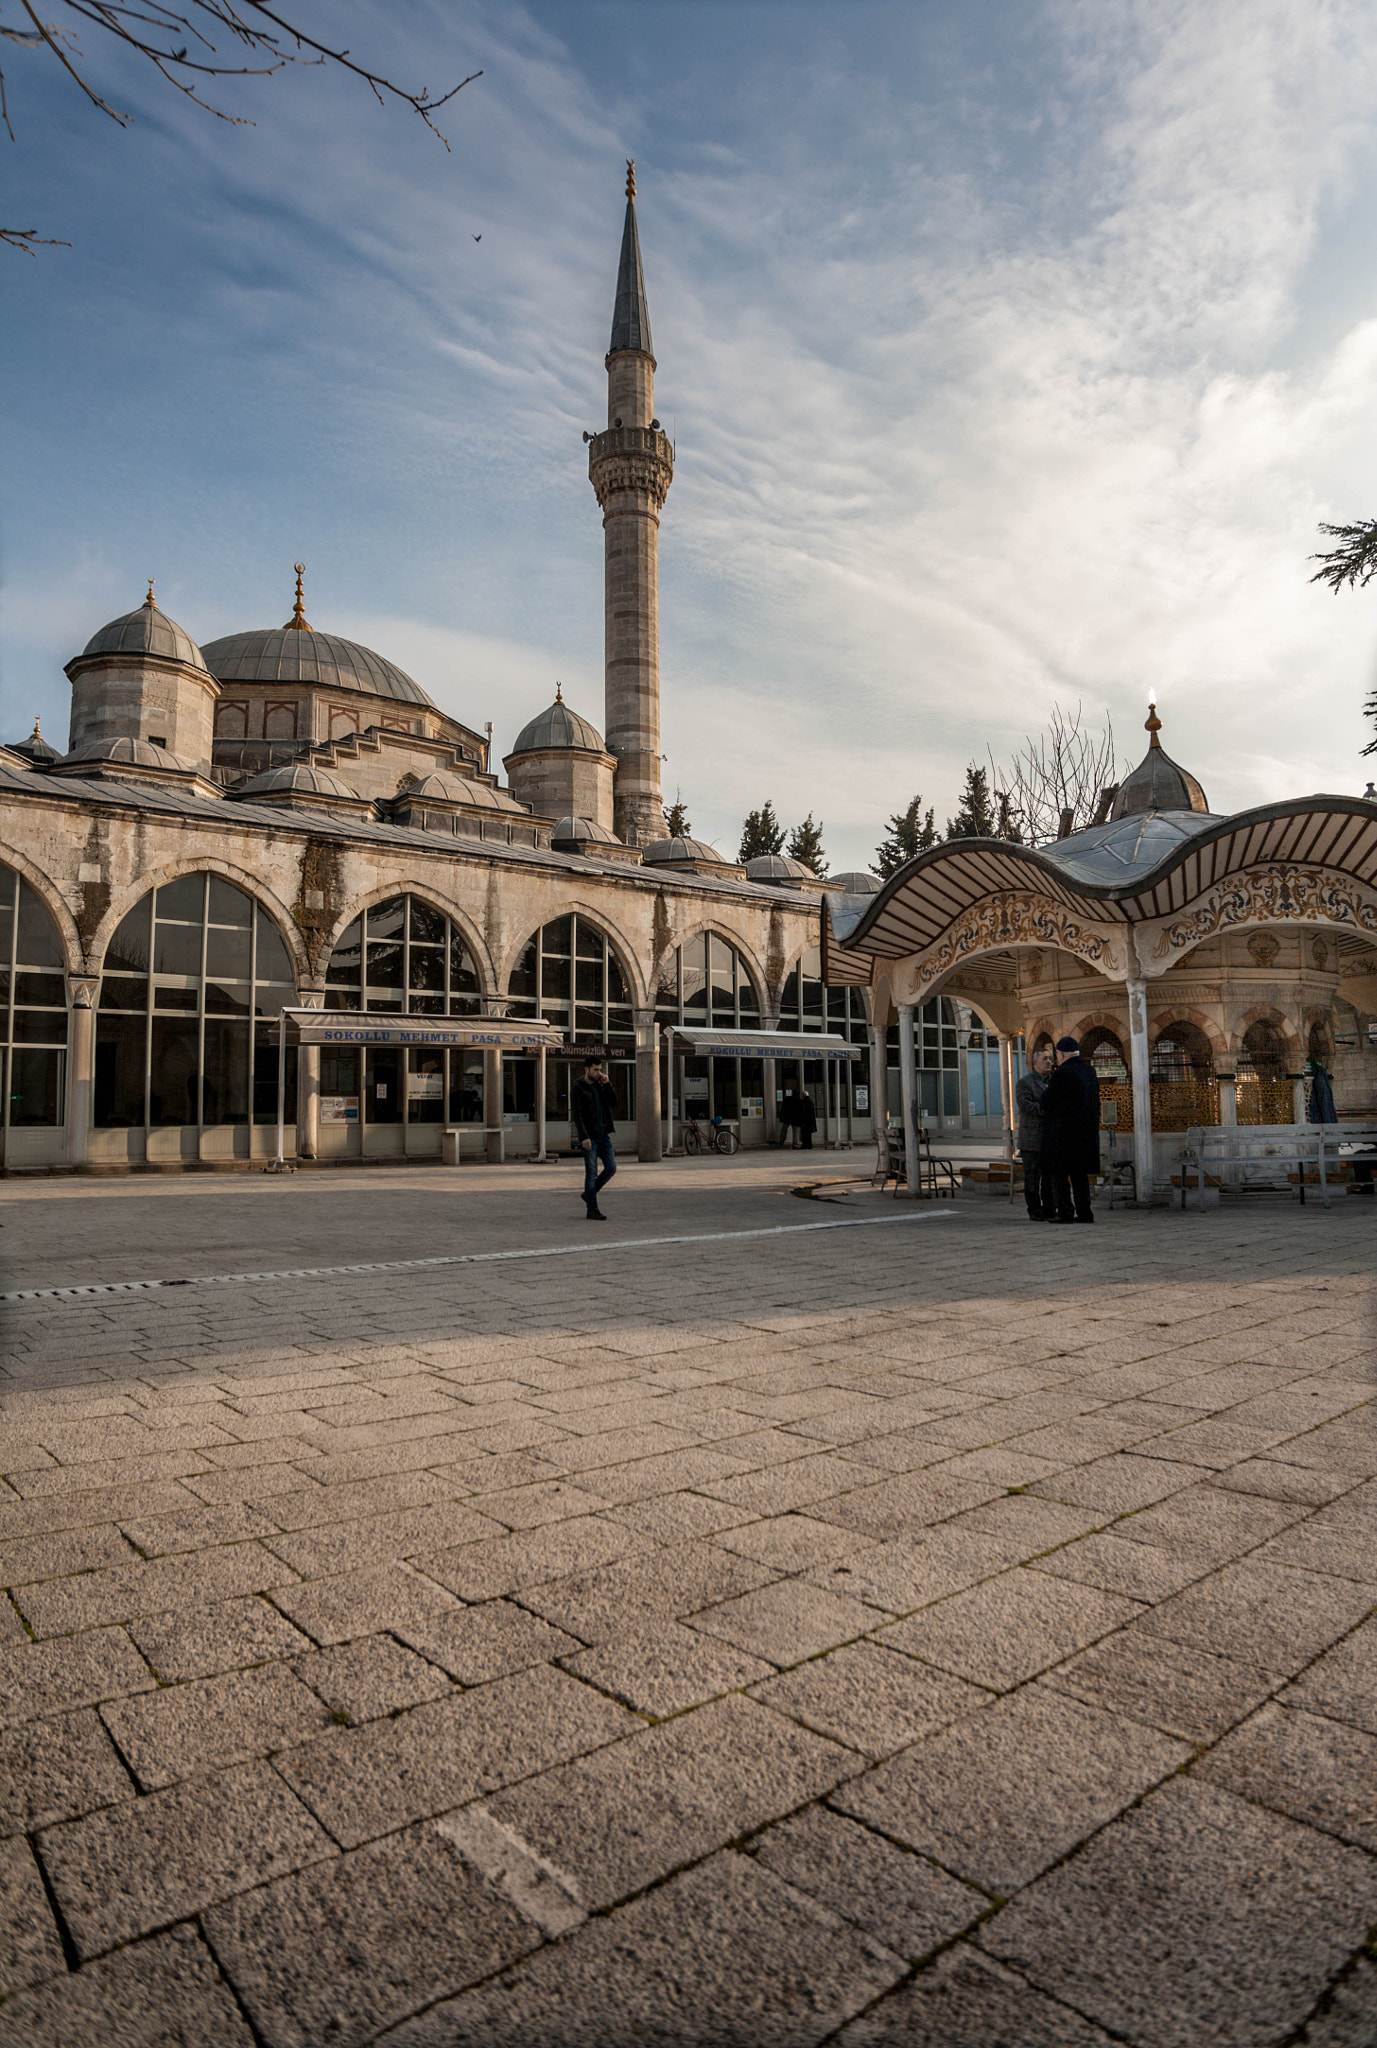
1028 1095
806 1118
1071 1133
592 1112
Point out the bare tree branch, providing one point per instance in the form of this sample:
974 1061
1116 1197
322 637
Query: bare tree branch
29 239
1065 769
1353 561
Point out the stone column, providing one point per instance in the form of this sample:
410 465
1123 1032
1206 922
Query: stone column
649 1136
908 1083
492 1101
308 1081
879 1095
1297 1097
1143 1167
81 1067
771 1087
1228 1098
1006 1101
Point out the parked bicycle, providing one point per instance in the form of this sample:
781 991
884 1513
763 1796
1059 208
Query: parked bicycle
715 1136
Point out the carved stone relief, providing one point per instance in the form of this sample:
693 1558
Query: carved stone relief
1283 895
1264 948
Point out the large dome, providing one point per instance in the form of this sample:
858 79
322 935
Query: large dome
558 727
290 654
146 631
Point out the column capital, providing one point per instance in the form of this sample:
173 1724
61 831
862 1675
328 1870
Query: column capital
82 990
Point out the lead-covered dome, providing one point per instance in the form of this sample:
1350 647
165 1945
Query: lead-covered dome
664 852
1157 783
856 882
779 867
145 631
558 726
443 788
299 776
582 831
129 753
292 655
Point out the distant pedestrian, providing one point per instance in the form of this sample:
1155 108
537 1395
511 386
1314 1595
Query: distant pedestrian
1071 1133
1037 1191
593 1112
806 1118
787 1109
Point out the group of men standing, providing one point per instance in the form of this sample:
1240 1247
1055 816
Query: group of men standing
1058 1102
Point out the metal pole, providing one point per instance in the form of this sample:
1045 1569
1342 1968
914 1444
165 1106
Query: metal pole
281 1083
669 1066
540 1103
908 1090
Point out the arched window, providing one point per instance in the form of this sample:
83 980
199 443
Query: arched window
190 993
402 954
568 973
1181 1072
1105 1051
34 1013
706 982
1264 1093
1182 1053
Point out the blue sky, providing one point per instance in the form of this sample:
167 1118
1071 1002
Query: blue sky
1013 352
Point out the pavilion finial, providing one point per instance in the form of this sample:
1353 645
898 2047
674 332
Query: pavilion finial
631 177
35 734
1152 725
298 622
559 693
150 603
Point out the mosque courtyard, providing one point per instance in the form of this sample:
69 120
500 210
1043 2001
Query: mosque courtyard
754 1621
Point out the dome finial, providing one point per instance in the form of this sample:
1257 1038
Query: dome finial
631 177
150 603
35 734
559 693
1152 725
298 622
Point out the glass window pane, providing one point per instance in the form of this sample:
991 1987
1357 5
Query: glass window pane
229 905
275 962
187 998
40 1027
519 1087
387 920
588 1025
41 991
128 950
428 968
227 954
463 975
8 882
123 992
37 942
174 1091
270 1001
183 900
382 1086
556 936
617 990
750 1007
265 1077
177 949
119 1072
339 1070
427 924
36 1086
554 979
522 981
384 965
425 1086
225 1088
588 986
227 998
590 941
345 961
466 1087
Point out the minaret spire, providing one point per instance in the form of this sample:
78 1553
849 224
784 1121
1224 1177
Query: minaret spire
631 466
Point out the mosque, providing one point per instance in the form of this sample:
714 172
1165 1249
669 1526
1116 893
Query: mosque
284 819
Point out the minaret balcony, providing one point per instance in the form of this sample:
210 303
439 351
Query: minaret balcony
636 459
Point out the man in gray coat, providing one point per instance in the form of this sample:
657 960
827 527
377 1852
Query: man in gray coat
1037 1191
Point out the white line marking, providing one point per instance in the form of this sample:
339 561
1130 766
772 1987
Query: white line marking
547 1251
540 1891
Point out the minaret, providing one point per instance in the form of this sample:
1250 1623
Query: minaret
631 466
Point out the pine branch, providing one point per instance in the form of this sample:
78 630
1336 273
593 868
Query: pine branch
1354 561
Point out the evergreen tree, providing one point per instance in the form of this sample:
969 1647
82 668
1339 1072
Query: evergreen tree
910 832
978 818
677 824
761 833
805 844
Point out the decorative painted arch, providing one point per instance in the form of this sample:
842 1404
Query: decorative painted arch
1006 921
53 903
766 997
1103 1020
251 885
1275 894
427 893
1267 1013
576 907
1182 1013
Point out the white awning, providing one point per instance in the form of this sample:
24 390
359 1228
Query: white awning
381 1028
768 1045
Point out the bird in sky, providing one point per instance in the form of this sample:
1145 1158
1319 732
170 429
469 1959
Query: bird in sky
478 238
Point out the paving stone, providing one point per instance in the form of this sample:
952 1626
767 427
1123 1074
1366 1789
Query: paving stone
1140 1571
54 1556
50 1770
338 1952
1183 1691
725 1953
478 1644
1344 2018
138 1866
626 1815
38 1679
787 1621
663 1667
366 1782
193 1528
872 1699
667 1583
485 1571
381 1539
912 1571
123 1592
337 1610
315 1506
1212 1519
1276 1480
184 1730
228 1635
903 1900
672 1517
1344 1550
1342 1683
370 1678
1000 1795
1008 1629
1314 1769
898 1507
1029 1525
162 1993
30 1946
967 2001
1267 1911
794 1543
1267 1615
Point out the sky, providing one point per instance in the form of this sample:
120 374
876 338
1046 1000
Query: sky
1013 352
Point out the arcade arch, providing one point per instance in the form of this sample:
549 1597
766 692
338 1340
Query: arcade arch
33 1014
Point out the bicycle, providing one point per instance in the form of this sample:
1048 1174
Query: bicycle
713 1137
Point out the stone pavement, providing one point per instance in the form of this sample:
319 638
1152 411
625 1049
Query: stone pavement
936 1631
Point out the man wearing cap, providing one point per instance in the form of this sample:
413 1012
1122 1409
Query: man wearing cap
1071 1133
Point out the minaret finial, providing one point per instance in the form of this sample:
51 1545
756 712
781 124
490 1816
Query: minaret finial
150 603
298 622
559 693
631 177
1152 725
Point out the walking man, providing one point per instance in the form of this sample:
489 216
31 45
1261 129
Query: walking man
1071 1133
593 1111
1037 1192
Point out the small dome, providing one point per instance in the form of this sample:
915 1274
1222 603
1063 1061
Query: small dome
146 631
582 831
129 754
856 882
35 749
663 851
558 727
1157 783
441 788
299 775
778 867
296 654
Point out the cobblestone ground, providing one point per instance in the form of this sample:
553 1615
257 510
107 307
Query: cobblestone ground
937 1630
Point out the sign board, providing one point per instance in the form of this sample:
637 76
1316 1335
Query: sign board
339 1109
584 1049
768 1045
862 1099
345 1027
425 1087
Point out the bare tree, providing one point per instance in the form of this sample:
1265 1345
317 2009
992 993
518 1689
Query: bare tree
1060 780
180 45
